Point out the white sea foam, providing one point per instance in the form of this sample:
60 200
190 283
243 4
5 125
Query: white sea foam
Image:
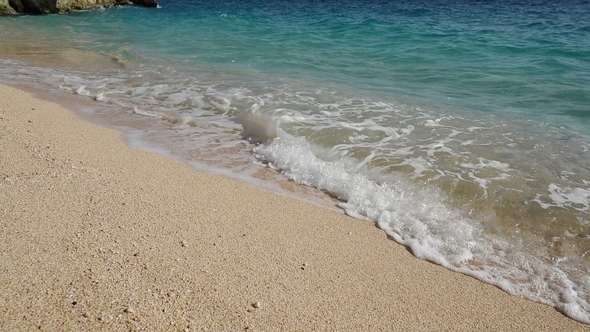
82 91
484 163
562 197
100 97
419 165
419 218
258 127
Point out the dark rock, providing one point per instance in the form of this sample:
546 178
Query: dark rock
39 6
145 3
17 5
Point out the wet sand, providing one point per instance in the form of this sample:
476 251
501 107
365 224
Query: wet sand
95 235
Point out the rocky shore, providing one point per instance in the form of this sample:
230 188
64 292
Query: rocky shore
38 7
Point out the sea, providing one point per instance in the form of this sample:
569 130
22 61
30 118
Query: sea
461 128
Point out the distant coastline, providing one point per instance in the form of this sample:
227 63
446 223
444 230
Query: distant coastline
37 7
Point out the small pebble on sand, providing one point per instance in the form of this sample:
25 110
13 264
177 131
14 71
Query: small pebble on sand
256 304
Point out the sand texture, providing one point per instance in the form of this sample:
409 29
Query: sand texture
98 236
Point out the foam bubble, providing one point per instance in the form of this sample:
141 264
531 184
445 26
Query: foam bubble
82 91
100 97
257 127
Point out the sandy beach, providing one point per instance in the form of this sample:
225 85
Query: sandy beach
98 236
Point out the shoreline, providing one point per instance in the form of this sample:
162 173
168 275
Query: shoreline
97 235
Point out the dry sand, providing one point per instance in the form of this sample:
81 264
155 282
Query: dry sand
97 236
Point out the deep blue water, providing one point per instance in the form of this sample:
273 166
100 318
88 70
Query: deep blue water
461 127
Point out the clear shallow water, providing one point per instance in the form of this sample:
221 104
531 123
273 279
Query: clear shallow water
461 129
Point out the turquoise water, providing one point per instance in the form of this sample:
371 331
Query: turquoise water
461 128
